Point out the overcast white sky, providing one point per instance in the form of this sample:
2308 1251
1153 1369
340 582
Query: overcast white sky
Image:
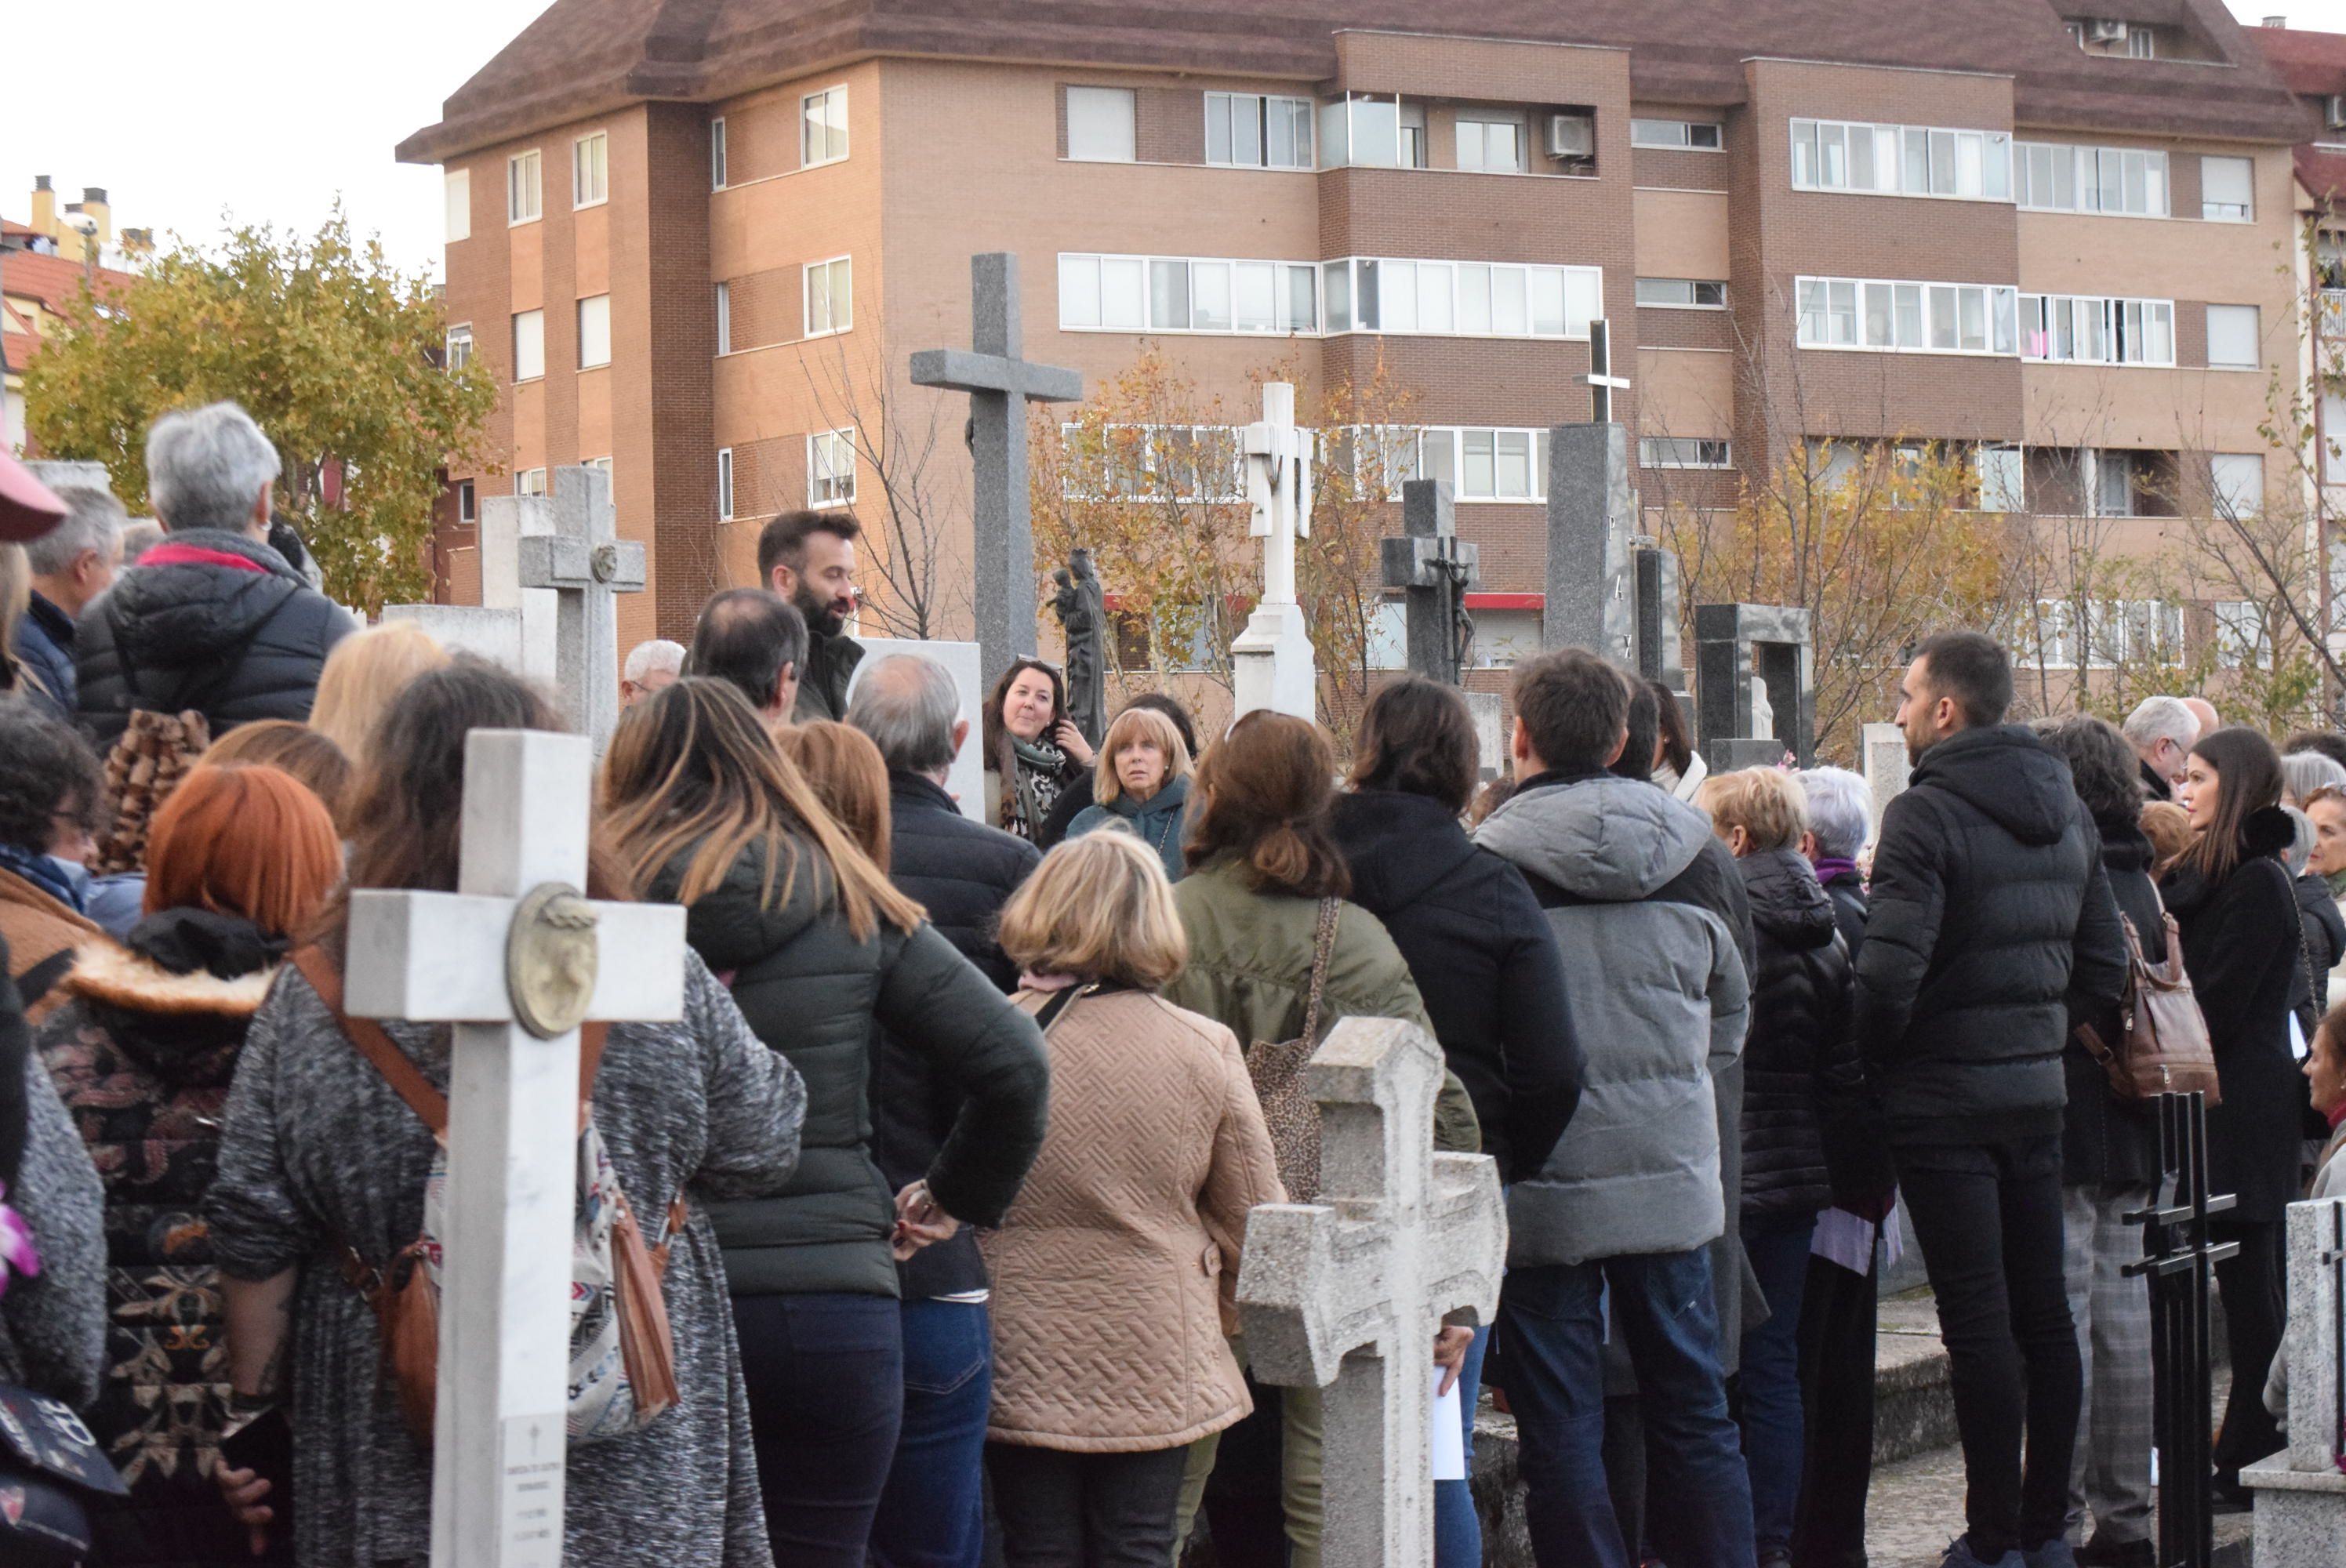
268 109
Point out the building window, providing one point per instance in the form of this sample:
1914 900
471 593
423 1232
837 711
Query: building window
1683 451
724 318
522 187
2073 330
1191 463
1100 124
830 468
822 126
1901 161
1702 136
1372 132
603 464
716 153
1479 464
830 296
2227 190
530 482
467 509
2003 477
724 481
2055 177
1682 293
2235 341
2239 633
2142 43
593 331
1187 294
590 170
1911 318
457 189
1246 130
460 347
2236 484
529 345
1492 144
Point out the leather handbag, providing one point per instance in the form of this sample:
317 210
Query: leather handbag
1281 1083
2162 1046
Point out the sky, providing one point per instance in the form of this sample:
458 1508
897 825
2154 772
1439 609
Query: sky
269 110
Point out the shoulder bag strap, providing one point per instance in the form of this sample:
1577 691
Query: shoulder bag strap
402 1073
1324 947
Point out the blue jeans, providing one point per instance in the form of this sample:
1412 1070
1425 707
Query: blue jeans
1551 1331
825 1377
1772 1418
1457 1531
933 1512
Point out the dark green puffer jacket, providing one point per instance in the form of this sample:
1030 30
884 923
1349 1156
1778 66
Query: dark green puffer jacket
812 992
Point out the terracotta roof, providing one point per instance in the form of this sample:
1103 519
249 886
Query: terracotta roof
2310 65
54 281
2321 172
581 57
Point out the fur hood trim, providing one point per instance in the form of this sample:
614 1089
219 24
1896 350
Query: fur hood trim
104 971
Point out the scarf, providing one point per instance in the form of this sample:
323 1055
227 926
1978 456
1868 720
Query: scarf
2336 881
1027 795
68 884
2336 1115
1831 866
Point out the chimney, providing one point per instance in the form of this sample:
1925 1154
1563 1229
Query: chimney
94 204
45 205
2276 22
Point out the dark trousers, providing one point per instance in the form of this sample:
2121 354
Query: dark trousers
1838 1329
1769 1407
825 1380
932 1512
1987 1217
1062 1509
2250 1282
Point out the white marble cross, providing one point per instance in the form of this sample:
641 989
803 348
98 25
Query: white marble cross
1347 1294
585 562
1601 382
498 1438
1275 668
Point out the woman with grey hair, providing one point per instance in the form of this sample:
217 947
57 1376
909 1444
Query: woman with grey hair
2303 772
1840 816
2322 925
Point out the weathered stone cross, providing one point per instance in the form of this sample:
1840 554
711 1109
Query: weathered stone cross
1273 654
586 563
1347 1293
1436 568
1000 384
514 960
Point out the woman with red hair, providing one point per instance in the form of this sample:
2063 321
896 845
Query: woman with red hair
241 859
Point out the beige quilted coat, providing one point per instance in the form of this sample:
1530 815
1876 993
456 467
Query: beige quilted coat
1107 1324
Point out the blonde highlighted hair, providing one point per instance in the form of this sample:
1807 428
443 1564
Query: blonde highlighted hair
1135 726
846 770
364 675
1098 907
1767 803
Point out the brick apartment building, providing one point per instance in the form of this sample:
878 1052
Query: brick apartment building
696 241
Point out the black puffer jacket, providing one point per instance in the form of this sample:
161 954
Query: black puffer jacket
1990 926
1485 960
208 620
812 991
1847 891
964 873
2106 1140
2324 931
1799 1059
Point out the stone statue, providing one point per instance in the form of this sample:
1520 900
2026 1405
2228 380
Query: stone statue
1082 608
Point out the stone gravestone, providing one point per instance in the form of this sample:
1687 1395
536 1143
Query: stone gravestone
1591 523
505 522
516 958
1000 384
1275 668
965 780
1434 569
64 473
1346 1294
1659 654
2301 1495
1881 756
491 635
586 565
1727 638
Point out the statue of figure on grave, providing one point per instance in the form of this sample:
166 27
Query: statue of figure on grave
1082 608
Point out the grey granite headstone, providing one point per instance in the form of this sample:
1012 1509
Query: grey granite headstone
1489 712
1591 525
491 635
71 473
1881 758
1434 569
2301 1495
1659 651
1727 640
585 563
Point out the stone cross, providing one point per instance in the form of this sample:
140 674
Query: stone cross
1591 532
1435 569
1000 384
1601 380
586 565
1347 1294
1273 655
1882 756
515 969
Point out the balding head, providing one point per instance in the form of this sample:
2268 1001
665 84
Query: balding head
910 709
754 639
2205 712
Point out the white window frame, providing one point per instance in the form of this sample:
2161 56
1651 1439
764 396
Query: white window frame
1263 106
1445 451
525 187
833 269
1687 130
1338 134
724 319
1515 120
468 506
1694 290
724 483
1127 142
539 373
2256 316
2216 488
2039 314
2247 212
585 308
2016 496
826 487
590 170
1684 451
529 482
716 153
457 350
1999 306
1987 149
457 199
2086 165
806 148
1461 294
1291 283
1154 446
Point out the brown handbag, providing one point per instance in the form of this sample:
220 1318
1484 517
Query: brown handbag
1281 1083
2162 1046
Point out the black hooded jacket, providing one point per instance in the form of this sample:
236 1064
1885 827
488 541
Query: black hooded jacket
1990 929
1799 1059
209 620
1485 960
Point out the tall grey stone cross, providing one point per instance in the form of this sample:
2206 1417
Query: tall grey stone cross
1434 568
586 563
1347 1294
1000 384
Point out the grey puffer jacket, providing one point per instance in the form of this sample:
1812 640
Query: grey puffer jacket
1658 998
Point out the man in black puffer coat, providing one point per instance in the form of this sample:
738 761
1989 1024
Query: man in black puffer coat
212 619
1992 927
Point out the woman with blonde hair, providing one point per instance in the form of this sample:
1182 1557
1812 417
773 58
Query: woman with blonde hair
849 776
364 675
1141 780
1134 1213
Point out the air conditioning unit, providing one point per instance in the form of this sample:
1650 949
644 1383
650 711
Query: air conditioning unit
1571 136
2333 111
2103 30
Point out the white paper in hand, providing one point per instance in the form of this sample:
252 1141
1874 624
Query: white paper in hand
1449 1432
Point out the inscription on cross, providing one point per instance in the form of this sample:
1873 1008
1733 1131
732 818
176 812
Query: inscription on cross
1000 383
586 563
1434 568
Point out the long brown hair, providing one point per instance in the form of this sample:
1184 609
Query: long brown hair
847 773
999 758
695 768
1266 791
2248 780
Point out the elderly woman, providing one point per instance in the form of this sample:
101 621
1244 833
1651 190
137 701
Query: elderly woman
2303 772
1033 749
1142 782
51 801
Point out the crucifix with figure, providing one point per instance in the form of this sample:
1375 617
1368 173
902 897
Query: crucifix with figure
1435 569
516 959
1000 383
1274 657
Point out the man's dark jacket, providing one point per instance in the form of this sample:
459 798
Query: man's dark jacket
1991 928
962 872
1801 1071
822 684
2154 785
1485 960
209 620
45 646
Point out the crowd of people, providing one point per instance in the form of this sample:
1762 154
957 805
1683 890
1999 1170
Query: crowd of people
942 1179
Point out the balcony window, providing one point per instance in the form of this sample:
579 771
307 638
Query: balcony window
1683 451
1682 293
1901 161
1704 135
1252 130
1361 130
2055 176
1886 315
1492 144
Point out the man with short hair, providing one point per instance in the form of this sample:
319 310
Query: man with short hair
2162 730
962 872
754 640
651 666
1615 1227
808 558
71 564
211 618
1990 931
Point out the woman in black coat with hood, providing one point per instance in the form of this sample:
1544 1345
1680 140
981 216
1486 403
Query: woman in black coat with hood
2241 946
